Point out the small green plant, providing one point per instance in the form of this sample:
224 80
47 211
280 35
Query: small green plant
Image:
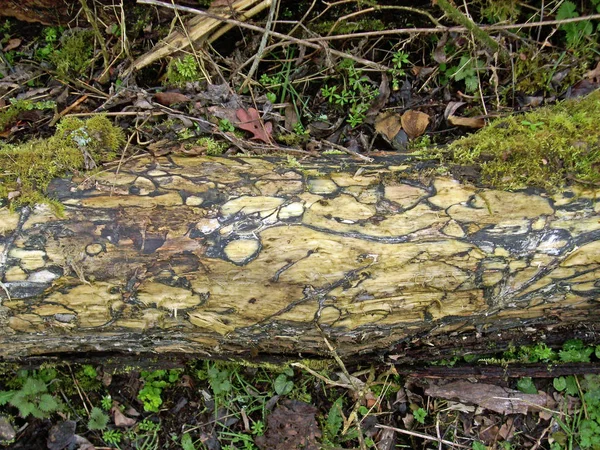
154 383
32 399
478 446
526 386
182 70
98 419
112 437
466 71
582 426
282 384
399 62
106 402
574 350
532 126
420 415
357 93
575 32
226 126
219 380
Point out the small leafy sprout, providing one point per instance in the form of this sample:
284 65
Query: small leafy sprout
399 61
154 383
106 402
466 71
225 125
32 399
187 443
89 371
112 437
148 425
219 380
282 384
478 446
420 415
98 419
526 386
258 428
574 350
532 126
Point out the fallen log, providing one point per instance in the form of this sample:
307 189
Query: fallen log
246 256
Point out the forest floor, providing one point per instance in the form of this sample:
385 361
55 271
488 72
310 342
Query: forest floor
497 92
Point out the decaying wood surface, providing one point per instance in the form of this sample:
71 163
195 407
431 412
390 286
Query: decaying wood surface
243 256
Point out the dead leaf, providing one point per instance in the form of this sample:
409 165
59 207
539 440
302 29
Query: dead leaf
594 75
292 425
388 123
468 122
451 108
382 98
12 44
120 419
507 430
250 121
489 396
439 54
414 123
170 98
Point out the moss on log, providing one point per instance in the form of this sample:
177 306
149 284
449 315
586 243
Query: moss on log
240 256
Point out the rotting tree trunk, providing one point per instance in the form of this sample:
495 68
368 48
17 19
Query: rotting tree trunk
246 256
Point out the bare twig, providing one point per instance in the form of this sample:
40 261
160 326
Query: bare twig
306 42
421 435
263 44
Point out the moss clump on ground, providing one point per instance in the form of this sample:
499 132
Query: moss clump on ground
548 147
28 168
74 55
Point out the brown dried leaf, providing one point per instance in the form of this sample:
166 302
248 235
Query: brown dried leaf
414 123
388 123
12 44
291 426
170 98
250 121
594 75
120 419
489 396
468 122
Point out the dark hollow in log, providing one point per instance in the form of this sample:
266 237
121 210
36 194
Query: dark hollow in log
246 256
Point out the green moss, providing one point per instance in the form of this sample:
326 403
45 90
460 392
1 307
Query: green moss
182 70
534 72
546 148
74 55
28 168
213 148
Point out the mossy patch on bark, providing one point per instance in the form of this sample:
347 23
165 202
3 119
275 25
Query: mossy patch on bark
28 168
548 147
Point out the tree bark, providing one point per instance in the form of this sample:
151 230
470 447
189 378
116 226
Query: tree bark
248 256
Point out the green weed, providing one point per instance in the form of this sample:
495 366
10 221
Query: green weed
154 383
356 93
33 399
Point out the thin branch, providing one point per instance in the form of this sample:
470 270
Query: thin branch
308 43
263 43
456 29
421 435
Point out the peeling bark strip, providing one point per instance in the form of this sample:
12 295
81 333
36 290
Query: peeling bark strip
245 255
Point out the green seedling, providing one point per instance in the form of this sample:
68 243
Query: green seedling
98 420
33 399
154 383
